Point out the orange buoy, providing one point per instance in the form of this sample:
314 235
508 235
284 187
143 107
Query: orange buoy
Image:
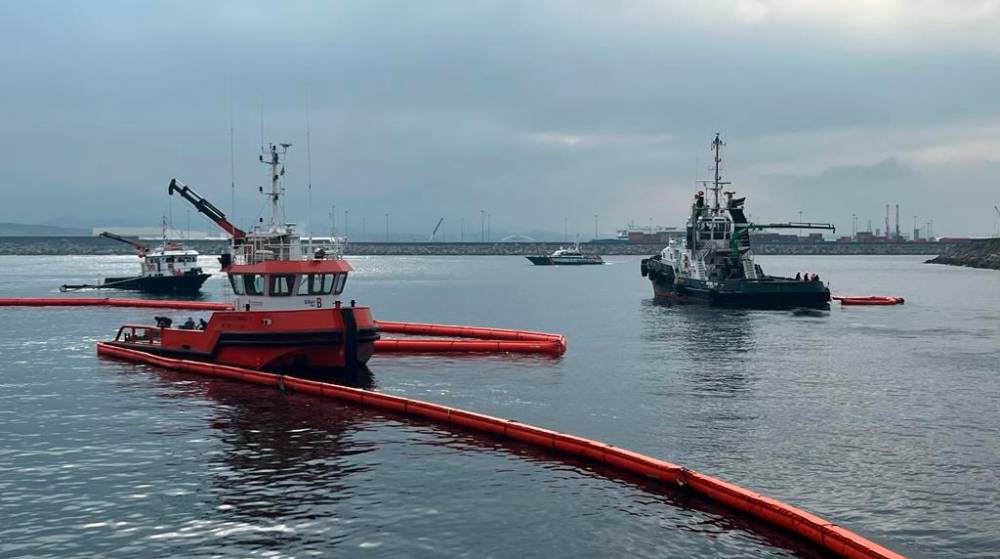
821 532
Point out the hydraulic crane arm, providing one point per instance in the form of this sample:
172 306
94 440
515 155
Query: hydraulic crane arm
142 248
805 225
206 207
742 231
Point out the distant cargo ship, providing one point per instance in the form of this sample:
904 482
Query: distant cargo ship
715 265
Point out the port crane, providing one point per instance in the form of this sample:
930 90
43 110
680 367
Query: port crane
205 207
142 248
436 227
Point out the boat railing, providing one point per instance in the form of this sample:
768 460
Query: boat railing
139 334
257 252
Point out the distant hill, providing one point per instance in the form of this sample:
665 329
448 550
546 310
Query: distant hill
29 230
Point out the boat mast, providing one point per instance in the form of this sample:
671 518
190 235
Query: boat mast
718 183
274 160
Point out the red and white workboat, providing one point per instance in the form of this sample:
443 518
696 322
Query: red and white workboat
287 315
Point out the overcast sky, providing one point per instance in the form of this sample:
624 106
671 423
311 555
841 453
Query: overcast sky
534 111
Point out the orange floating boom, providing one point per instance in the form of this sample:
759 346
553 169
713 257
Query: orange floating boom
419 345
456 331
821 532
868 300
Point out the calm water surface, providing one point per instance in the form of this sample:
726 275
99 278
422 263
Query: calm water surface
883 419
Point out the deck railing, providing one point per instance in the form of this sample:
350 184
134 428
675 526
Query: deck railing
139 334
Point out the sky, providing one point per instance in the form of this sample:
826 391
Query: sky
540 113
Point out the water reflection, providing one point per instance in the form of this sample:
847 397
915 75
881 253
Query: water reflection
292 471
711 345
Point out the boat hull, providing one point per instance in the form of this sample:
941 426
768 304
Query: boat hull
555 261
288 341
764 293
186 284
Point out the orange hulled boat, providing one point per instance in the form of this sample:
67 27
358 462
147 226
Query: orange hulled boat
287 314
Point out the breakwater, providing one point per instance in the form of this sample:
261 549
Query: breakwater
978 253
24 246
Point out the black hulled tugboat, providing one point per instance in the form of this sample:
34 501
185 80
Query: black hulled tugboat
170 268
715 264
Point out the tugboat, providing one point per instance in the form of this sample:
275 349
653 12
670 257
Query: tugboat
167 269
715 264
287 313
566 257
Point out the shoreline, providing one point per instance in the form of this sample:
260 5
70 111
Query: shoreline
980 253
81 246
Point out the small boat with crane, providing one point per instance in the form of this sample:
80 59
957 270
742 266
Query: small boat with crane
169 269
715 264
287 314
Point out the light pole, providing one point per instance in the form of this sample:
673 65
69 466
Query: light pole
482 226
347 223
800 221
489 235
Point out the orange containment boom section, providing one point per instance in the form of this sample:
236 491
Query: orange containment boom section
823 533
499 340
112 302
868 300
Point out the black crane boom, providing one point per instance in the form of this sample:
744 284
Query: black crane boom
142 248
206 208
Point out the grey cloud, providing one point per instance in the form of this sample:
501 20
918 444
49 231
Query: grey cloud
446 108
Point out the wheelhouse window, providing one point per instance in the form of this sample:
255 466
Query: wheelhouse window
280 285
236 280
321 284
253 284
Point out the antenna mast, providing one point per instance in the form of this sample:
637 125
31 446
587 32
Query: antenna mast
717 182
309 174
232 150
275 159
